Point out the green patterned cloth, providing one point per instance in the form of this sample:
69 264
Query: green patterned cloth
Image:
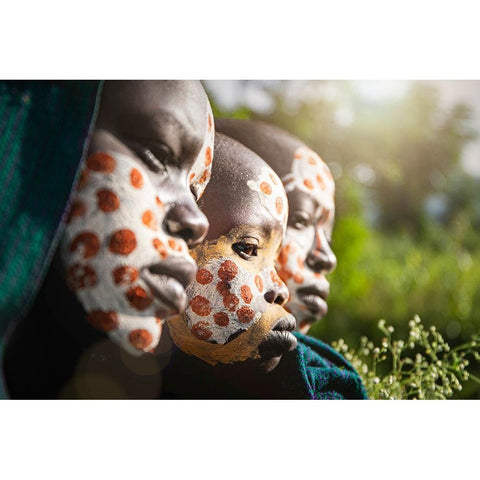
44 132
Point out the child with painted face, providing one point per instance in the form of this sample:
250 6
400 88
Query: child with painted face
234 313
306 255
131 220
235 338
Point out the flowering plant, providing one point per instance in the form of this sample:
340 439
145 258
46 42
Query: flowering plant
423 366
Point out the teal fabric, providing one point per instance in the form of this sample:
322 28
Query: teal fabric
315 371
44 131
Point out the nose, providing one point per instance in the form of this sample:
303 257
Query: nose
321 258
277 294
186 221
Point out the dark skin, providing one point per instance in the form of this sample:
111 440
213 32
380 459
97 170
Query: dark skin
53 352
254 238
277 148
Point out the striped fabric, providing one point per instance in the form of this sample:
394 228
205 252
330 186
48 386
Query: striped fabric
44 130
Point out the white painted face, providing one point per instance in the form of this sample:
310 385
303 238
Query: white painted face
312 176
113 235
236 270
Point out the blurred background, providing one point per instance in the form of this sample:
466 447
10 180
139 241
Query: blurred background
406 159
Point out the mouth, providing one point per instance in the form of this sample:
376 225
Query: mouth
279 340
167 281
315 299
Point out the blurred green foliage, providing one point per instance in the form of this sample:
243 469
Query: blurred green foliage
407 234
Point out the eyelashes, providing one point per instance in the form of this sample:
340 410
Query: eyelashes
246 250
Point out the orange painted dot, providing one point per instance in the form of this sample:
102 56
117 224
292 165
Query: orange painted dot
245 315
203 276
223 288
200 305
320 181
208 156
283 255
140 338
273 179
89 241
300 262
149 220
124 275
107 201
204 176
285 274
159 202
136 178
201 330
174 245
230 302
274 277
101 162
227 271
246 293
80 276
279 205
308 183
77 209
298 155
312 160
192 176
123 242
259 283
83 180
138 298
210 123
298 278
221 319
266 188
105 321
159 246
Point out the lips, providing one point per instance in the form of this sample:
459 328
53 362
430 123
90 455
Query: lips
314 297
280 339
167 281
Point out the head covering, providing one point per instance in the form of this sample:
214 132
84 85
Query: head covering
44 133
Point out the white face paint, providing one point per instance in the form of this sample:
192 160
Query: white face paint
228 294
201 170
310 175
271 194
114 233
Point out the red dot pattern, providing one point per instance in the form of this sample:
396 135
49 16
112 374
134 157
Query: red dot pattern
105 321
138 298
221 319
266 188
101 162
208 156
124 275
246 293
90 243
259 283
279 205
136 178
77 209
230 302
107 201
123 242
140 338
81 276
159 246
245 315
204 277
227 271
149 220
201 330
200 305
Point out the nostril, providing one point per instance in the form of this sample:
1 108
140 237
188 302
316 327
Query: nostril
270 296
280 300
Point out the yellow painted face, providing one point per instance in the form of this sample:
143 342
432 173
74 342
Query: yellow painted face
235 298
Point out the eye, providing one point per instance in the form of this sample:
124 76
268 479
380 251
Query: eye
301 220
245 250
157 158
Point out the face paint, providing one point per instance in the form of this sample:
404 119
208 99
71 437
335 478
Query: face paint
201 170
308 289
271 194
228 293
113 234
311 175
